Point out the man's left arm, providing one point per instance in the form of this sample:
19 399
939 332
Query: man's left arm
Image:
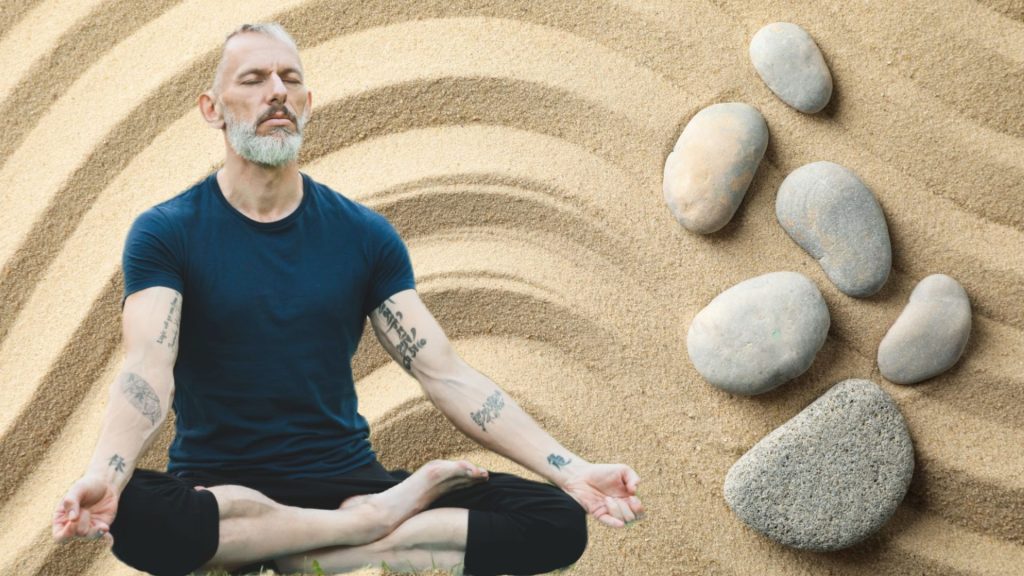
484 412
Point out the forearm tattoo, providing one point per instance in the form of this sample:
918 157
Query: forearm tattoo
142 396
558 461
117 463
489 411
169 333
408 346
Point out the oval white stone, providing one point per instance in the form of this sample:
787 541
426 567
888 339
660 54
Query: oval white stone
930 334
713 162
760 333
832 215
790 63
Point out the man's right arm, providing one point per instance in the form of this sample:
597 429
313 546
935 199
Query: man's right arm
137 407
140 397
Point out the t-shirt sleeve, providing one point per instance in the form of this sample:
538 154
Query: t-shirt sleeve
152 256
390 266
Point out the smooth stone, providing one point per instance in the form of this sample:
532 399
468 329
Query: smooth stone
759 334
709 170
832 215
829 477
790 63
930 334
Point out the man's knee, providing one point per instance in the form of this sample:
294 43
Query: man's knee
163 527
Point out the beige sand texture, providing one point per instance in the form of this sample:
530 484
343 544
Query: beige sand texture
518 148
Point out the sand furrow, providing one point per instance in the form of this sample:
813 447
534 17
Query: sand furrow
61 33
31 428
35 35
1011 9
13 13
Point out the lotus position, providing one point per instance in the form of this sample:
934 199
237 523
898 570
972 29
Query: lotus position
245 299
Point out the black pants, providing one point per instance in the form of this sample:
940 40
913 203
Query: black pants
165 527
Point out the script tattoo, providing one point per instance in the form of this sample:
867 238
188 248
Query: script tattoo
171 325
490 410
142 396
558 461
117 463
408 346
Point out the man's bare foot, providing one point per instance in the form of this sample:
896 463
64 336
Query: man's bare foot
431 481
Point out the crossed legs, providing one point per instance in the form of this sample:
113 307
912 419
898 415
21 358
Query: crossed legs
366 529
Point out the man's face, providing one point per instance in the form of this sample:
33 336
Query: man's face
263 99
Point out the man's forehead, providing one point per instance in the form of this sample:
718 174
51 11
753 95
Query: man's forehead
260 51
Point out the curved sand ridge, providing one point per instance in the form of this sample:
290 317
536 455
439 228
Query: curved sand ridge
518 149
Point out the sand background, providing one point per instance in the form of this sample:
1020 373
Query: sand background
518 147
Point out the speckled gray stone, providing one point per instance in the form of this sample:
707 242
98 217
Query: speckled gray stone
832 215
759 334
709 170
790 63
930 335
830 476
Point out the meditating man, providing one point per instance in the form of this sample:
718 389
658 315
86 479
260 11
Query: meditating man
245 299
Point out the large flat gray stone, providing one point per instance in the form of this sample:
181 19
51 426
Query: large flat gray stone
709 170
760 333
832 215
829 477
790 63
930 334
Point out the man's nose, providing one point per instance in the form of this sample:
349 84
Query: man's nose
279 92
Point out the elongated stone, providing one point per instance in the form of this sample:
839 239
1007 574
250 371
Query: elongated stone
790 63
760 333
713 162
829 477
930 334
832 215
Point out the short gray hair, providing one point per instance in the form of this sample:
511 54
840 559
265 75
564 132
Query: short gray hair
272 29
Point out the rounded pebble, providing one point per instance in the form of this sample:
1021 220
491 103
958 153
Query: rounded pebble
930 334
832 215
790 63
760 333
709 170
830 476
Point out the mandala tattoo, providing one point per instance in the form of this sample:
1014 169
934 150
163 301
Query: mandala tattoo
142 396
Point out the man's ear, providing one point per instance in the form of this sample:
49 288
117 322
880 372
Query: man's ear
211 111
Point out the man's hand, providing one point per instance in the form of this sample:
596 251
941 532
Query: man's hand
86 511
607 491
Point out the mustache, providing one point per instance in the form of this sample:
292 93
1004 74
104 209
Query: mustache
277 110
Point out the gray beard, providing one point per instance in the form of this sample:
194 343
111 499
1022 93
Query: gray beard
278 148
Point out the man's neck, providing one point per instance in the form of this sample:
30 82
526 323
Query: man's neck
263 193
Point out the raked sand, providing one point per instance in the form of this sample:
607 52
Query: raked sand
518 147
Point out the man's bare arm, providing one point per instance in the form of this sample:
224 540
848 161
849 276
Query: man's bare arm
140 397
484 412
138 404
472 401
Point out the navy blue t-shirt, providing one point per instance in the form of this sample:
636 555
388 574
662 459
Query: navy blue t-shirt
271 316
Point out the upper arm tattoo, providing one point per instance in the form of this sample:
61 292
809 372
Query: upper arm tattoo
408 345
141 396
172 324
489 411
